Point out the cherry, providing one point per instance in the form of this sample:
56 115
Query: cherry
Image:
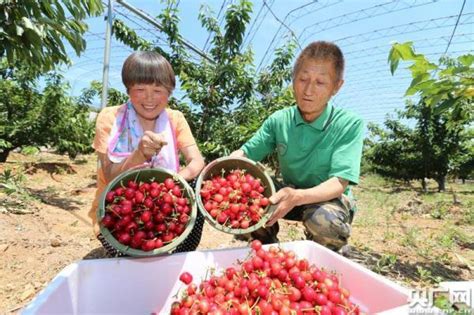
268 281
146 215
186 278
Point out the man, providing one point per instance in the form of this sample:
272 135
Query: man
319 151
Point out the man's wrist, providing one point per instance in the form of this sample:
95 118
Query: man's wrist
300 197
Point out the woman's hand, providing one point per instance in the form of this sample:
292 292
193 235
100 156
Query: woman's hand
194 162
151 144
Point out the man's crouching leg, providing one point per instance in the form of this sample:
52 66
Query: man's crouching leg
267 235
329 223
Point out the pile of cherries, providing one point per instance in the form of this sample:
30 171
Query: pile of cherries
145 215
234 200
273 281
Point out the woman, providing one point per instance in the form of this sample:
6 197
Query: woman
145 130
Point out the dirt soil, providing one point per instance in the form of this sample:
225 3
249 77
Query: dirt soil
47 228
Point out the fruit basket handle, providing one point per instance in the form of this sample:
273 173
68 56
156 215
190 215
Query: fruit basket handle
214 162
260 166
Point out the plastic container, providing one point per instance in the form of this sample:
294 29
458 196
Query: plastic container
147 175
228 164
145 285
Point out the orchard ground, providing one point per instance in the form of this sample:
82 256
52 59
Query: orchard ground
411 237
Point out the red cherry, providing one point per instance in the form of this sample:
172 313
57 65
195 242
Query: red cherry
186 277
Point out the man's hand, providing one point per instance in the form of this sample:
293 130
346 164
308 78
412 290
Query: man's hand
238 153
151 144
286 198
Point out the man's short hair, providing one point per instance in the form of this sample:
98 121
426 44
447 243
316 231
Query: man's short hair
322 50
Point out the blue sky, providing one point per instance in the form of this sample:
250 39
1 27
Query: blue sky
363 29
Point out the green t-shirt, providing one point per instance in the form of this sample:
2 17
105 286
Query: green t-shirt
311 153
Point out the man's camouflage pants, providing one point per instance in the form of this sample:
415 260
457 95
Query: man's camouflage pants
327 223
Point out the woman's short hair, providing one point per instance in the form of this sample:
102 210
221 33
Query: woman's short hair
148 67
321 50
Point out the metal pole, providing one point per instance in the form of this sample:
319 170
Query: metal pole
152 21
105 73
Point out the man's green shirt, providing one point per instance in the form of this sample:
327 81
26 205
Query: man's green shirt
311 153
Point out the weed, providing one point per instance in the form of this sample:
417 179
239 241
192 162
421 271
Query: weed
440 210
29 150
426 276
410 238
11 182
385 263
468 214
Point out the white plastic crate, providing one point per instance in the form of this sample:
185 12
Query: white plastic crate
145 285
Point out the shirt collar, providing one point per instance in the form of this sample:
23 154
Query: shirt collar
319 123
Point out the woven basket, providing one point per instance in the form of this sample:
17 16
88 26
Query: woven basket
147 175
228 164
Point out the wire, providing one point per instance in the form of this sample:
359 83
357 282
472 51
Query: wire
283 24
278 31
259 24
396 30
319 6
363 14
455 26
217 18
252 25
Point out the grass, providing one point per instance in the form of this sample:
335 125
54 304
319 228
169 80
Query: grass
440 210
405 230
426 276
468 214
11 181
385 263
411 237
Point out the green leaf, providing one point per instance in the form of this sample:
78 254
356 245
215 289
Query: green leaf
405 50
466 60
19 30
426 86
462 70
412 89
4 144
26 22
393 59
421 67
447 104
33 37
47 9
434 99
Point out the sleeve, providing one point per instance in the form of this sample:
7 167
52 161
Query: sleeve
263 141
184 136
345 162
103 126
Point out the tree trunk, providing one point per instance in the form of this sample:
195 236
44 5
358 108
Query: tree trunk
441 183
424 185
4 155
